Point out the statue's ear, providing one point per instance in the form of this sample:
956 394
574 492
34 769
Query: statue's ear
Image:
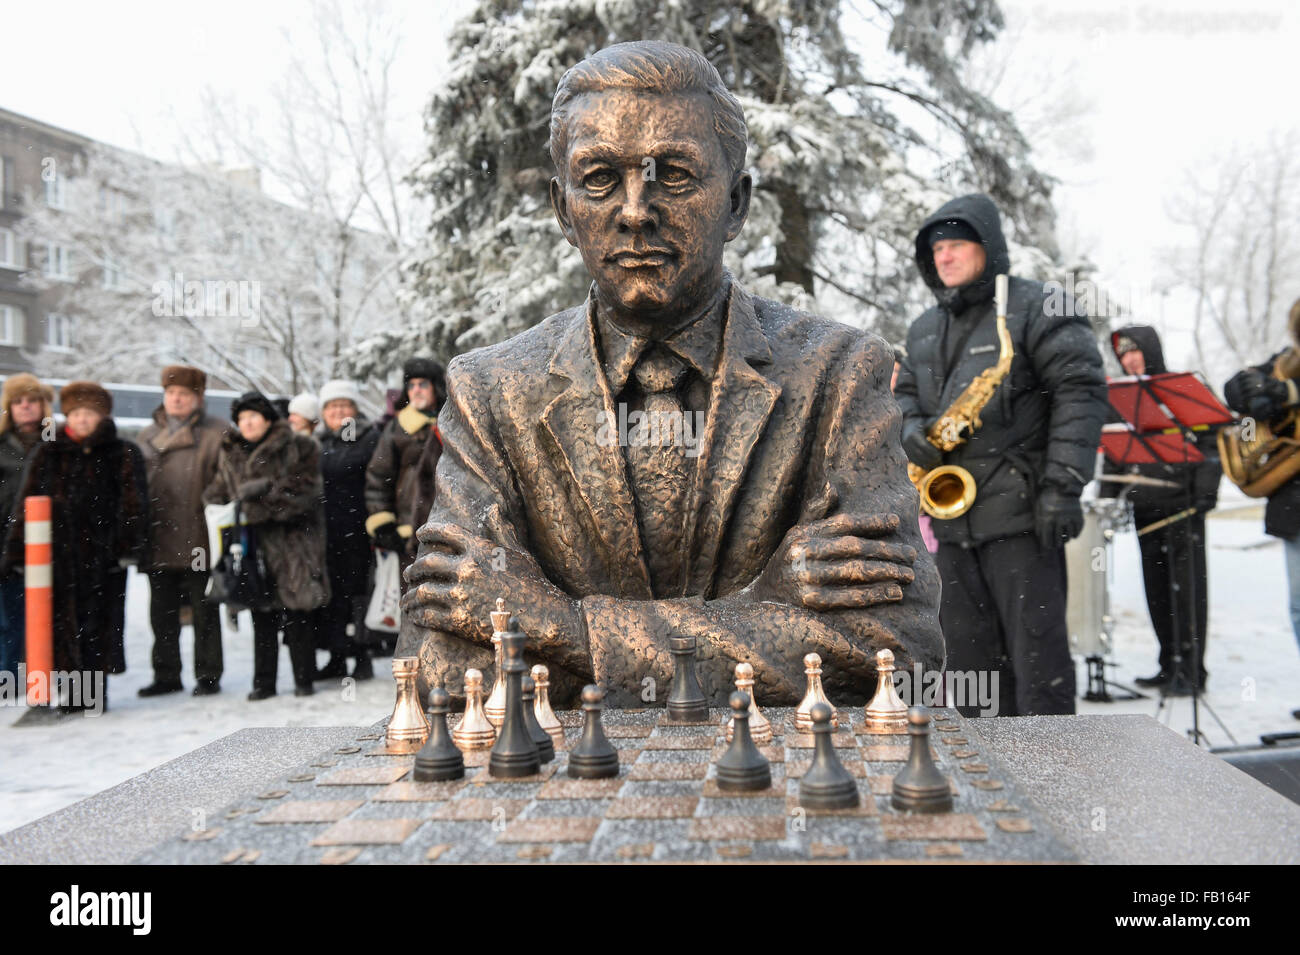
742 188
561 209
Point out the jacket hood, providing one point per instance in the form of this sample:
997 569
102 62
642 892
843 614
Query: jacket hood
977 211
1146 339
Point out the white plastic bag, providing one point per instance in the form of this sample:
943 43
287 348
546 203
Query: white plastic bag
385 612
217 517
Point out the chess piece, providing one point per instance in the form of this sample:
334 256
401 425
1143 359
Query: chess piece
919 786
812 668
592 757
439 760
760 729
514 754
474 731
827 784
886 712
546 718
495 707
539 736
686 702
742 768
407 729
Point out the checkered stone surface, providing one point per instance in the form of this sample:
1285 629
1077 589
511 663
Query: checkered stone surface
356 805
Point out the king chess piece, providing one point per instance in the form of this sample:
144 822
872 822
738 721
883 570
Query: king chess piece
886 713
407 729
760 729
919 786
742 768
812 668
592 757
439 760
514 754
541 739
827 784
546 717
686 702
495 707
474 731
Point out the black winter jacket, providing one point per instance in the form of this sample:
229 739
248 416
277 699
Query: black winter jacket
343 460
1043 424
1282 513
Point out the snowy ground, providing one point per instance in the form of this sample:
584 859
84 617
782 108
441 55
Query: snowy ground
1252 658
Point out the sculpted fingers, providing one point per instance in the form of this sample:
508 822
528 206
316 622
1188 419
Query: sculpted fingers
861 572
852 598
856 525
829 548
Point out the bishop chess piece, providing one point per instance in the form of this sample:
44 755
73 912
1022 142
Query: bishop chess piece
827 784
686 702
541 739
760 729
812 668
474 731
514 754
886 713
742 768
546 717
919 786
495 707
439 760
407 729
592 757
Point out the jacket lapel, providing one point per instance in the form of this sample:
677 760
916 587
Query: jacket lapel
740 403
582 422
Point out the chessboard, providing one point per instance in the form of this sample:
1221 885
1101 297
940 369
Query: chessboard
357 804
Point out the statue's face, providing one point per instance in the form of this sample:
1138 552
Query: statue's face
647 198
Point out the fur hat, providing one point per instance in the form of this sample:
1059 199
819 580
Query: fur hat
425 368
338 388
85 394
19 386
185 376
305 405
253 401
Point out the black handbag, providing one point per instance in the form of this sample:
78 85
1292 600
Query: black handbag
241 578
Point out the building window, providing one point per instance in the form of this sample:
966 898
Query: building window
55 196
58 332
113 279
57 259
11 325
9 249
7 198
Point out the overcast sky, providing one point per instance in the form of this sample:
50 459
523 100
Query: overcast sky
1167 82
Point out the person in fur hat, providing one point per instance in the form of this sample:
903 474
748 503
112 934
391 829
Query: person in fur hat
26 406
100 523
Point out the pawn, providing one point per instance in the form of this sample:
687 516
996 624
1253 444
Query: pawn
439 760
546 717
474 731
592 757
919 786
760 729
742 767
545 746
827 784
686 702
886 712
812 668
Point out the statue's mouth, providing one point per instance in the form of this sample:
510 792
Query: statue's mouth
636 260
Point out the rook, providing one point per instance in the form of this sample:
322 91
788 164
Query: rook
686 702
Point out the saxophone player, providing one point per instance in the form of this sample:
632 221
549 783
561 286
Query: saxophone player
1001 558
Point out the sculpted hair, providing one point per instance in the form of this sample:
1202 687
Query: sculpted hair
652 67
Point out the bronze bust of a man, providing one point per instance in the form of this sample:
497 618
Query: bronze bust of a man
675 457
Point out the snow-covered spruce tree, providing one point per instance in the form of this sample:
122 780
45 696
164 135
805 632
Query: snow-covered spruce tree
850 147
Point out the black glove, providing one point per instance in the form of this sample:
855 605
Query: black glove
386 536
252 490
918 448
1254 393
1058 517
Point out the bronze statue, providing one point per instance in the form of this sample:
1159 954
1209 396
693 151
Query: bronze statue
675 457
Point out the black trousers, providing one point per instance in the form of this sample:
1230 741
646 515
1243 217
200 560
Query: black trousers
1175 603
298 637
1003 611
169 590
332 624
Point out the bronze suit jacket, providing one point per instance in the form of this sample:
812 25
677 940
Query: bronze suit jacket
798 405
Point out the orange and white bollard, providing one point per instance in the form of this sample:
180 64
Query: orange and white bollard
38 577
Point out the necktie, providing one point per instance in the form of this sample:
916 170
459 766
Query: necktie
660 468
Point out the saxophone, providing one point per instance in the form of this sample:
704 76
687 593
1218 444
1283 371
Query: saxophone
948 491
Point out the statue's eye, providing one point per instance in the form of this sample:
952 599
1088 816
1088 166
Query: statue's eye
674 176
600 179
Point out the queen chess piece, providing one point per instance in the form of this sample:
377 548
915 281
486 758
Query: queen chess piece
919 786
439 760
